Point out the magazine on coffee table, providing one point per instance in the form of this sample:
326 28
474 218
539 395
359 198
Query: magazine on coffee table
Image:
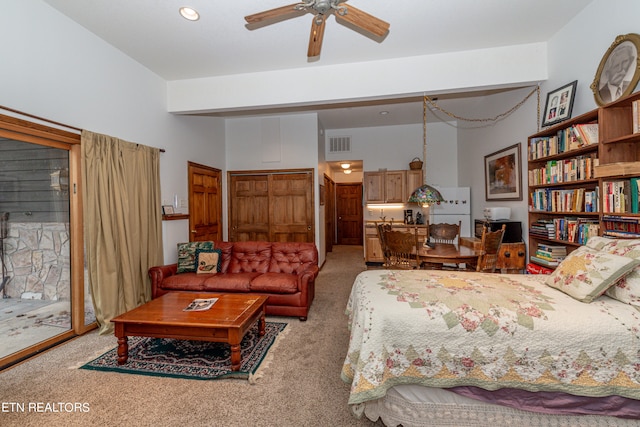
201 304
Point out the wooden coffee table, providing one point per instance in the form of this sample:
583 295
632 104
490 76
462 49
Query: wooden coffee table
227 321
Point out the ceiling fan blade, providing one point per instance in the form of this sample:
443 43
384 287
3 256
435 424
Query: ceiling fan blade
363 21
317 33
279 13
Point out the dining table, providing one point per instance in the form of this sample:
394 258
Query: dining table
434 257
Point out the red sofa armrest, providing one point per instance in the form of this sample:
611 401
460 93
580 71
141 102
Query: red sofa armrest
158 274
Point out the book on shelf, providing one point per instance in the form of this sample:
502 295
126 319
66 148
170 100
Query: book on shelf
570 229
537 269
621 196
621 226
587 133
545 262
201 304
563 200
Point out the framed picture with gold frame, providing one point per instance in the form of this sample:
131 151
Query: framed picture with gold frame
619 70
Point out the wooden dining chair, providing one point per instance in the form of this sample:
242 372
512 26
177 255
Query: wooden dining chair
444 233
490 246
402 250
382 228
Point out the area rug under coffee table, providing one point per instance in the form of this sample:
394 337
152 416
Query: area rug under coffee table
199 360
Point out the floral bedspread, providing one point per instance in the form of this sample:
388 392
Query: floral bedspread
446 329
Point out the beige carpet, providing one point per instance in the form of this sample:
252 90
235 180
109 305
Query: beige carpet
301 387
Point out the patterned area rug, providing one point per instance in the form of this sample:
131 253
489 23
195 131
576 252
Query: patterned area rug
199 360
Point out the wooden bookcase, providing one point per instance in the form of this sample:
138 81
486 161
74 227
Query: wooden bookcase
614 158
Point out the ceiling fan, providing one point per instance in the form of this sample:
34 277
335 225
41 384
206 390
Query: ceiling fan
321 9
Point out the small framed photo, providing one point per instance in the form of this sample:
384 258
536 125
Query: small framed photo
559 104
619 70
503 177
167 210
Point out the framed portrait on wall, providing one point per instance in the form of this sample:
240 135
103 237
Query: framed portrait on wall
503 176
559 104
619 70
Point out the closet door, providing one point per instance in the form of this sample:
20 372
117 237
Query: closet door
248 208
274 206
291 207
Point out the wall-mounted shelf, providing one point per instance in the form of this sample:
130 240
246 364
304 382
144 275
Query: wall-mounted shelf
174 217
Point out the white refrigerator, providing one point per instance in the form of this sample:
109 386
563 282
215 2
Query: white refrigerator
456 207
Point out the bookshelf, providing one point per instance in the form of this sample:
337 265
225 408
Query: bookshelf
581 184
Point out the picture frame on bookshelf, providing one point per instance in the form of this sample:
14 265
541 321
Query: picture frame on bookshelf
503 176
559 104
619 70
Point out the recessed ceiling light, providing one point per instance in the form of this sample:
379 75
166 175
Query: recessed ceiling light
347 171
189 13
384 113
345 165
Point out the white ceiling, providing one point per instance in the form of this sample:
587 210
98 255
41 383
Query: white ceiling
153 33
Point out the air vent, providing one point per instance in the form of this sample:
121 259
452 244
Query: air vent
340 144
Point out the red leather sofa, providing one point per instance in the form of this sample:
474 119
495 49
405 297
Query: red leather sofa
284 271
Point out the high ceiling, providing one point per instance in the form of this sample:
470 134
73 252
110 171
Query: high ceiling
153 33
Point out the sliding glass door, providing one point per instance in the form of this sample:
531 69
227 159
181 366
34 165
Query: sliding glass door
44 298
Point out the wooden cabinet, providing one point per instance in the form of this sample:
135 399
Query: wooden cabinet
512 257
372 248
385 186
579 189
415 178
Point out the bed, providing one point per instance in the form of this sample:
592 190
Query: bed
472 349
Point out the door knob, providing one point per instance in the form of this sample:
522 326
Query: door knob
193 231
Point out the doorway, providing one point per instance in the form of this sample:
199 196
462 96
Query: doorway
349 213
205 203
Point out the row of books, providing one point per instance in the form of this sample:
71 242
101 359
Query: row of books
567 139
621 226
635 107
567 200
621 196
570 229
556 171
549 255
533 268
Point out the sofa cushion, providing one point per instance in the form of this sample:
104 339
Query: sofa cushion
236 282
226 249
292 257
184 282
276 283
187 255
250 257
208 261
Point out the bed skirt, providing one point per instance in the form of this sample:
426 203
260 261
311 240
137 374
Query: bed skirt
417 406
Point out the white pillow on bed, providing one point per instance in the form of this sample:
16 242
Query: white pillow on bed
627 289
587 273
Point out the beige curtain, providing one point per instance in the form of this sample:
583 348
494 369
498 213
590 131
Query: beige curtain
122 222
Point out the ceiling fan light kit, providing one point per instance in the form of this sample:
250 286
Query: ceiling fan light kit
349 15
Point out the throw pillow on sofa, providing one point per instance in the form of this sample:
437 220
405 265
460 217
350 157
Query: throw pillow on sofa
208 261
187 255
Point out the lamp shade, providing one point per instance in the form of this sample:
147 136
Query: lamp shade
425 195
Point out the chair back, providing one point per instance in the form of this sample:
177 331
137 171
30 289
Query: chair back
490 246
402 250
444 233
382 229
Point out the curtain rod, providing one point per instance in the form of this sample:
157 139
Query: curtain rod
162 150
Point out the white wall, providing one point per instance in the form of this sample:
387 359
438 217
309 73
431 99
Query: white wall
575 51
393 148
297 146
55 69
477 140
